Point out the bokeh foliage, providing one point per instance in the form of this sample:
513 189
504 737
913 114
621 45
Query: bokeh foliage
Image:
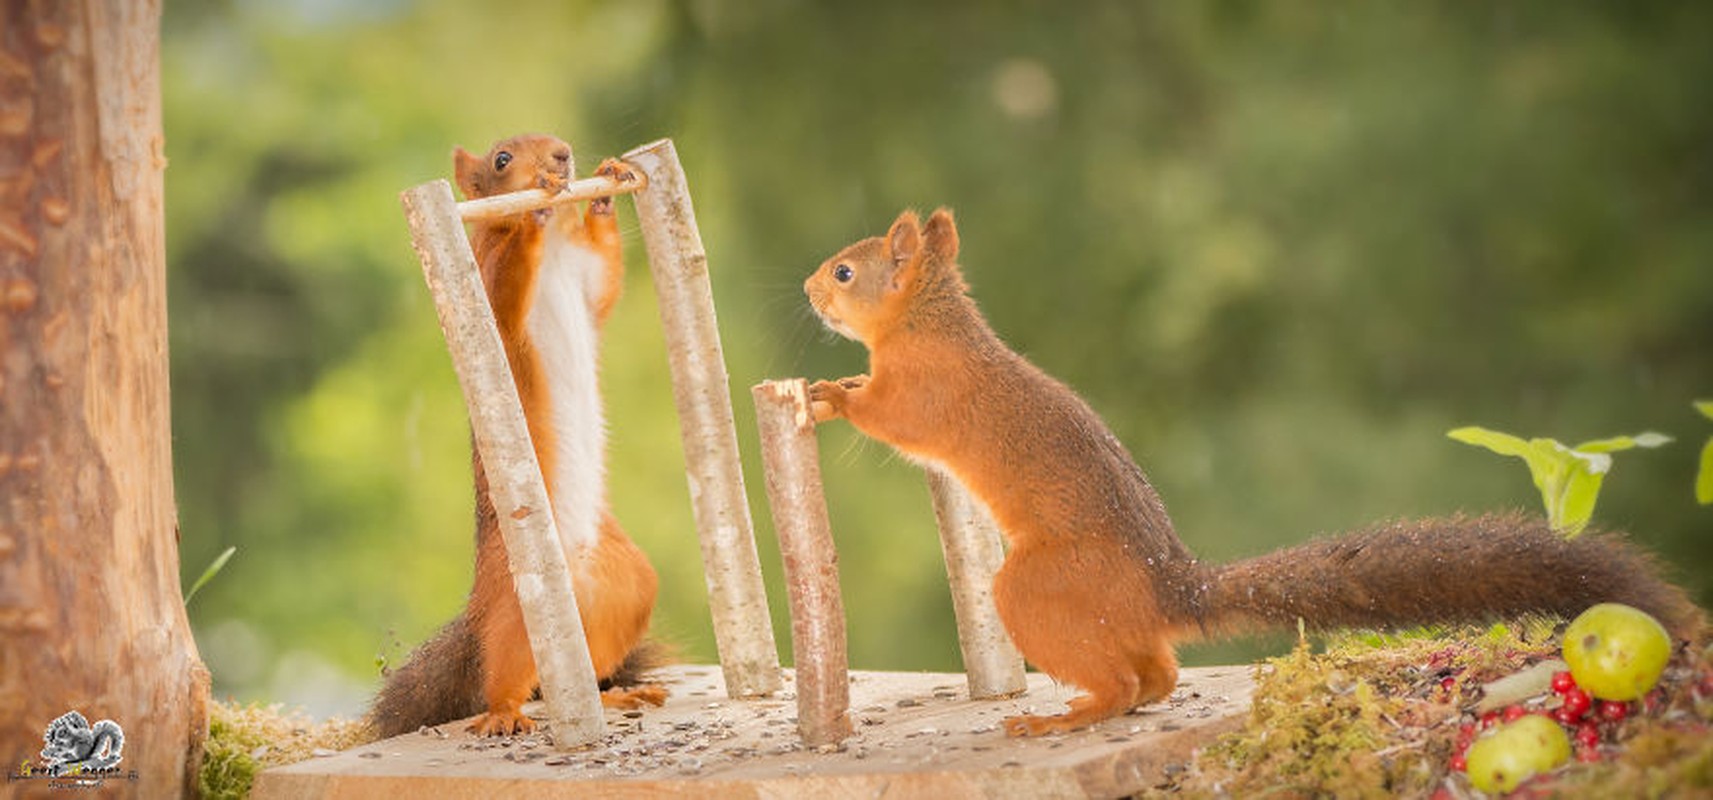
1282 250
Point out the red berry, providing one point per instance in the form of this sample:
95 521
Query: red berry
1459 763
1448 684
1489 719
1562 681
1564 717
1612 710
1578 702
1514 713
1587 735
1588 755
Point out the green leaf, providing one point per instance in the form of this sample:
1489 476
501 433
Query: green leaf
1568 479
1576 505
1704 478
208 574
1616 443
1705 407
1502 443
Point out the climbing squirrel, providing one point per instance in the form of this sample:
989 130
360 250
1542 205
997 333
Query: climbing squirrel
552 277
1096 588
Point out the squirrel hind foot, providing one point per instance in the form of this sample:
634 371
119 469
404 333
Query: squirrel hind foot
647 694
501 723
1038 725
1086 710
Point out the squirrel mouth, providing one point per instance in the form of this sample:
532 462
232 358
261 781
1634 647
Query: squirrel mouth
835 325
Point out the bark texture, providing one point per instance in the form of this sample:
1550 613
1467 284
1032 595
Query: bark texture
737 600
91 617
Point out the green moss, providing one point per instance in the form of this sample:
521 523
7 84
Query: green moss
1369 717
1318 725
246 739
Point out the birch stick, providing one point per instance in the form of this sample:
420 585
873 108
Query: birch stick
502 205
971 543
790 459
538 566
737 600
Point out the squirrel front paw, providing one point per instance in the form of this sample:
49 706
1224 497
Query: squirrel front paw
827 399
618 171
552 182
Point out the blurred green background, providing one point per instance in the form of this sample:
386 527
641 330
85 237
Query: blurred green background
1282 253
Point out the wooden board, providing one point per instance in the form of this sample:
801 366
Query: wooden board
917 735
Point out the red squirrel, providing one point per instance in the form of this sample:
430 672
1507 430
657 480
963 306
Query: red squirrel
552 278
1096 589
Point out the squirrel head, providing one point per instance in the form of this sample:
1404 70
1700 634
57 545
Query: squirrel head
862 291
511 165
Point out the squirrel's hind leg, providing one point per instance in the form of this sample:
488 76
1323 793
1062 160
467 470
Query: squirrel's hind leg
1094 632
508 665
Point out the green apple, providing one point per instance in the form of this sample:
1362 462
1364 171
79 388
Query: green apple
1516 751
1616 652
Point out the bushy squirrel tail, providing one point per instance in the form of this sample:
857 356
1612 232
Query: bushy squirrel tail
647 656
440 681
1448 570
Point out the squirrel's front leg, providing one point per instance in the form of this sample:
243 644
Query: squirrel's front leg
602 228
835 399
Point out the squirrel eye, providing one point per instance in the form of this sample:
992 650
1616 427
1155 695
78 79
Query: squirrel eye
501 159
843 273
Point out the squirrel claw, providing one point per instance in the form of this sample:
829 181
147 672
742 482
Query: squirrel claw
501 723
827 399
1035 725
553 183
618 171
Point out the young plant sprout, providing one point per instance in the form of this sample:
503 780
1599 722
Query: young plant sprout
1568 477
1704 478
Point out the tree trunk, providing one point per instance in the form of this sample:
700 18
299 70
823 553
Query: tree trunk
91 618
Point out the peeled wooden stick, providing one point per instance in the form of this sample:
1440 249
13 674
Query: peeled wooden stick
790 459
502 205
538 567
971 543
737 600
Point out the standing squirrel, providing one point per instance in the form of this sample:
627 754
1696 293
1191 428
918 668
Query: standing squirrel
1096 588
552 279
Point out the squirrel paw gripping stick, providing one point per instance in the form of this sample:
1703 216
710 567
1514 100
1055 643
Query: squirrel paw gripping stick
737 601
561 596
1096 589
792 464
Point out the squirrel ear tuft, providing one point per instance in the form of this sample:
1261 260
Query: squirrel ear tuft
904 239
464 168
940 238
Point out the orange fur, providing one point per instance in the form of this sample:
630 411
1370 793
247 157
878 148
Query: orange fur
615 584
1096 586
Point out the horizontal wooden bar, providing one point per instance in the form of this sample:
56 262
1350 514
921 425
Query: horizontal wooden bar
505 205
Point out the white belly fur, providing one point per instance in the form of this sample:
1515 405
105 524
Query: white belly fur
562 326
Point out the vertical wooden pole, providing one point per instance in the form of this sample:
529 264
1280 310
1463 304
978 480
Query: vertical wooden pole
736 598
91 615
789 455
539 570
971 543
